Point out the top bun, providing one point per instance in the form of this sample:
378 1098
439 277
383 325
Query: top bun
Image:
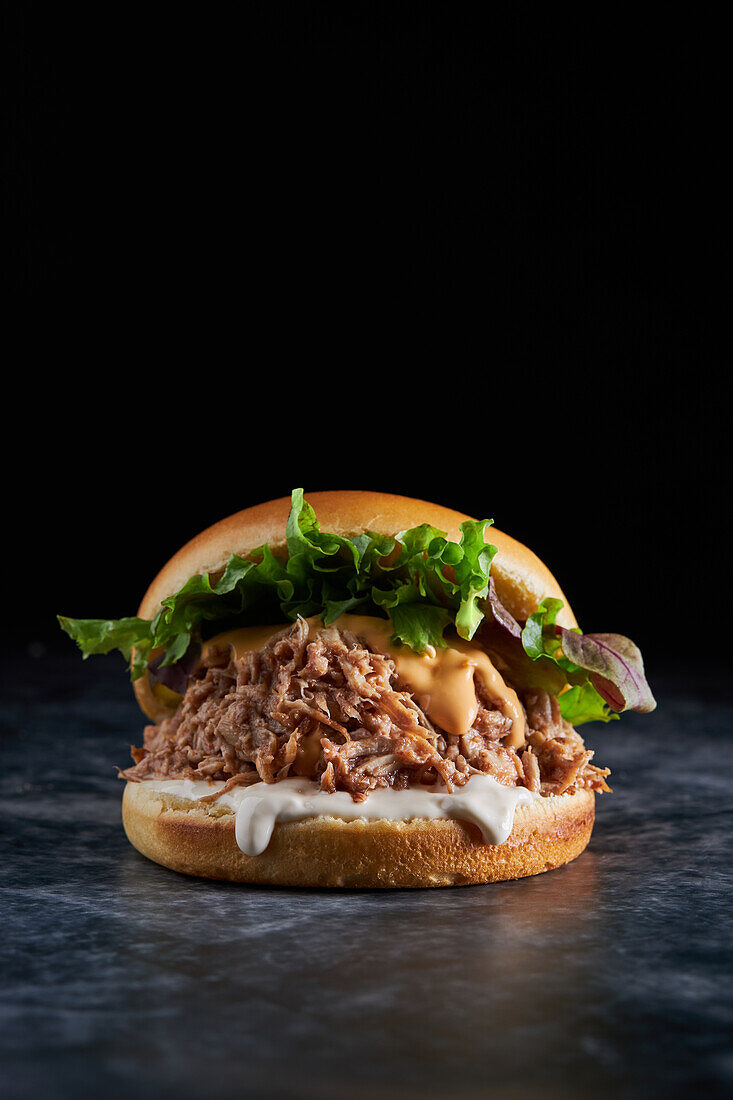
522 580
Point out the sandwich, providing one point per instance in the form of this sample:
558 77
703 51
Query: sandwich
362 690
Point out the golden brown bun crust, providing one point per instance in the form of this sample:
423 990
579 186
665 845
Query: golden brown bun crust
198 839
521 579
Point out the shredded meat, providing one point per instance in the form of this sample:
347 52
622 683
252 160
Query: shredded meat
331 709
561 756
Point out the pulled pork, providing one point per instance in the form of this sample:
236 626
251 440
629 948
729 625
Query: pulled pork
331 709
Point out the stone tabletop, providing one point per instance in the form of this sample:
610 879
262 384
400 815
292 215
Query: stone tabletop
611 977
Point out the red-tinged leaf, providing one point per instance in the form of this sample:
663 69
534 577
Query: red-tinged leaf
614 666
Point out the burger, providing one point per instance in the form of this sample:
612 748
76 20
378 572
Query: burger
362 690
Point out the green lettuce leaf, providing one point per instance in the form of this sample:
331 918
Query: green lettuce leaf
104 635
417 623
582 703
463 570
418 578
421 580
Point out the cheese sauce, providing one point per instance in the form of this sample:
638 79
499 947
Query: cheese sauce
441 680
483 801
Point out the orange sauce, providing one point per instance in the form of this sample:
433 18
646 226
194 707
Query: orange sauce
442 680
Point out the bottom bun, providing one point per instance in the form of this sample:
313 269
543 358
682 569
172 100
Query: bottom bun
198 839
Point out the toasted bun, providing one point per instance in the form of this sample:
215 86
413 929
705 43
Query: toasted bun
522 580
198 839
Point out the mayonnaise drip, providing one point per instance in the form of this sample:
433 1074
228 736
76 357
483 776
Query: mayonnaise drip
482 801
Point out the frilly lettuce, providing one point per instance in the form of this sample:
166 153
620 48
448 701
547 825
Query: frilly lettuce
424 582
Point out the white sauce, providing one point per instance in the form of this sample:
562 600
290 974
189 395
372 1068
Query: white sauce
482 801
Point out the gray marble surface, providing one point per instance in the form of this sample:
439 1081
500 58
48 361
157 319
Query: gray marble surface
610 977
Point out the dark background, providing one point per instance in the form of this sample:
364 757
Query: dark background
477 261
476 258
